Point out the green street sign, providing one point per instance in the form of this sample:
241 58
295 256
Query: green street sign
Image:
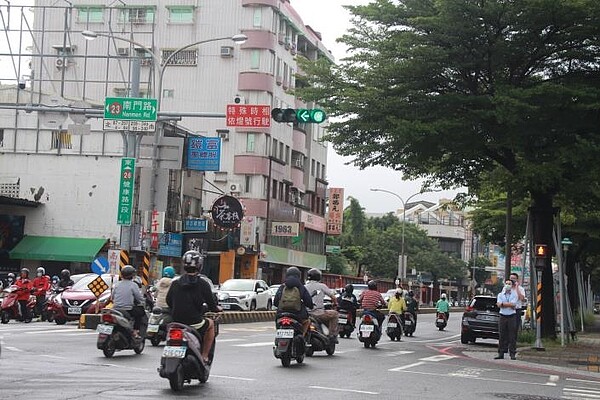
333 249
126 191
314 115
130 109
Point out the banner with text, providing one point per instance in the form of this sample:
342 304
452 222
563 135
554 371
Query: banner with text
335 215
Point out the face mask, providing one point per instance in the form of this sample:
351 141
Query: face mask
39 274
10 280
507 287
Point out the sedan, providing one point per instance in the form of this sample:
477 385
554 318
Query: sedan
79 299
245 295
480 320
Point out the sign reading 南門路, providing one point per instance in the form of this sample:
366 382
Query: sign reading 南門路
130 109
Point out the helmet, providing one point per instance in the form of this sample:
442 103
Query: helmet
11 275
192 261
55 278
168 272
65 274
372 285
314 274
443 295
25 271
411 293
349 288
292 271
127 272
398 292
41 270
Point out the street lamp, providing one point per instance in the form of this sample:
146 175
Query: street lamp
403 266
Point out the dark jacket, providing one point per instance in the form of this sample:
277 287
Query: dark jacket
186 298
290 282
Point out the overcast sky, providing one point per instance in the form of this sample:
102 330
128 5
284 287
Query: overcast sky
329 18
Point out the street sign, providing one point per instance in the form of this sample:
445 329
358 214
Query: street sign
97 286
248 115
130 108
126 191
333 249
133 126
195 224
100 266
113 261
204 154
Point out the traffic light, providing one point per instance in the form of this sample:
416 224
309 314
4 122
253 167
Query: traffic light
541 250
302 115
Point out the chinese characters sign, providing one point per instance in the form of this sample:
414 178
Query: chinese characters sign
204 154
126 191
130 108
248 231
248 116
336 211
195 224
227 212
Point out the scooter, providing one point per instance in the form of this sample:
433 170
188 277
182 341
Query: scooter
369 331
345 322
289 340
181 359
10 305
116 333
440 320
157 325
394 327
409 324
319 338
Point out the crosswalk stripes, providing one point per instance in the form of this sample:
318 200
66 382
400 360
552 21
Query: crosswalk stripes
581 389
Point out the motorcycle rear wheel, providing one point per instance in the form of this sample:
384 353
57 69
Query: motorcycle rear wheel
155 340
60 321
366 344
176 379
108 349
300 359
139 347
286 360
330 349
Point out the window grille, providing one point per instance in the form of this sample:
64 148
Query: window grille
184 57
10 187
61 140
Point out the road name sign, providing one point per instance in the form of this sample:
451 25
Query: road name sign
130 108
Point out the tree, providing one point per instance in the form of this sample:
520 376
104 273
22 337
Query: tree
450 90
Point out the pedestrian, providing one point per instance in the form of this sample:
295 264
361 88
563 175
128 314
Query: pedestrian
522 303
507 328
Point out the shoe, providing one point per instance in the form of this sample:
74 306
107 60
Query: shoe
499 357
513 357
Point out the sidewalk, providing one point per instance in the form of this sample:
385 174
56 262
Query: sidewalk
583 354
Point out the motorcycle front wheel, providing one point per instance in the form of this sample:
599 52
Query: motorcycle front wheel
139 347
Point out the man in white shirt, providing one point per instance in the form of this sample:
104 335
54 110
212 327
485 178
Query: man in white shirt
522 303
507 328
318 290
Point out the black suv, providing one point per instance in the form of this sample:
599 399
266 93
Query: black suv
480 319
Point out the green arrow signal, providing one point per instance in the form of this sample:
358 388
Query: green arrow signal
317 115
303 115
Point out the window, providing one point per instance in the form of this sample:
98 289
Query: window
168 93
287 154
312 167
274 189
323 171
181 15
247 183
281 155
184 57
268 146
255 59
1 137
61 140
274 148
273 61
257 19
90 15
250 142
137 15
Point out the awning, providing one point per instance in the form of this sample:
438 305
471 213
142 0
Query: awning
51 248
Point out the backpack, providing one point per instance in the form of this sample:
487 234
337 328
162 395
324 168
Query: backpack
290 299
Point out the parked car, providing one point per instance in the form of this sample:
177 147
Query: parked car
358 289
273 289
480 319
244 295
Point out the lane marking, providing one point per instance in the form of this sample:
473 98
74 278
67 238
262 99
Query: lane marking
407 366
49 331
230 340
501 380
258 344
441 357
398 353
583 380
342 390
49 356
237 378
14 349
591 393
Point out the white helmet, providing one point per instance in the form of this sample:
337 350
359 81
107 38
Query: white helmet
443 295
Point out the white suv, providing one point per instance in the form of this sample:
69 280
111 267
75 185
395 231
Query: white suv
244 295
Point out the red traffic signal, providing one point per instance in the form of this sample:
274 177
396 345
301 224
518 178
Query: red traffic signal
541 250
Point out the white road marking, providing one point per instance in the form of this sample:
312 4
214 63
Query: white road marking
258 344
441 357
407 366
237 378
589 393
49 331
342 390
49 356
398 353
583 381
80 333
502 380
229 340
14 349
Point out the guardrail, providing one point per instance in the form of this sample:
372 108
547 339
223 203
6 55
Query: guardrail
91 321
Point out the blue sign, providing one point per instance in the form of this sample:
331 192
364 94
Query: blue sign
100 266
170 245
204 154
195 225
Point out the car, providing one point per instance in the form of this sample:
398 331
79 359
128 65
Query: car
245 295
480 320
273 289
358 289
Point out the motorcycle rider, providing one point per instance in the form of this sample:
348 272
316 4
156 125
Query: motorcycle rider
397 305
41 285
10 280
318 290
25 287
54 282
443 306
126 296
371 300
65 279
163 285
412 306
292 279
186 298
348 302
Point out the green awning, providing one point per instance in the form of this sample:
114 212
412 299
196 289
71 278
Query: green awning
51 248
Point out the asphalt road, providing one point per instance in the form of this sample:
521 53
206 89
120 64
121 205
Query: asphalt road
41 360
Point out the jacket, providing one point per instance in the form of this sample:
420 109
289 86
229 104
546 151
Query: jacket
186 298
162 288
25 285
41 285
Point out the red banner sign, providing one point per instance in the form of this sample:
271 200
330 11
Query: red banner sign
248 115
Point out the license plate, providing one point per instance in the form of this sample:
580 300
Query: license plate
441 320
74 310
365 334
392 324
486 318
104 329
342 321
408 322
284 333
367 328
152 328
174 351
225 306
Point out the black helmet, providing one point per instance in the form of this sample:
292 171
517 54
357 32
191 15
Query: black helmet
314 274
349 289
411 293
65 274
25 271
192 261
292 271
372 285
127 272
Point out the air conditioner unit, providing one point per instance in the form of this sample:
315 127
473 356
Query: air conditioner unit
123 51
146 62
235 188
59 63
278 81
226 51
178 225
224 135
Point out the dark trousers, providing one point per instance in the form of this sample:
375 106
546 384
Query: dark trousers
137 313
39 304
507 330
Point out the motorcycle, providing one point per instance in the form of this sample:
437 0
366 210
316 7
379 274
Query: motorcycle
319 339
394 327
440 320
10 305
157 325
369 331
289 340
116 333
181 359
345 322
409 324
